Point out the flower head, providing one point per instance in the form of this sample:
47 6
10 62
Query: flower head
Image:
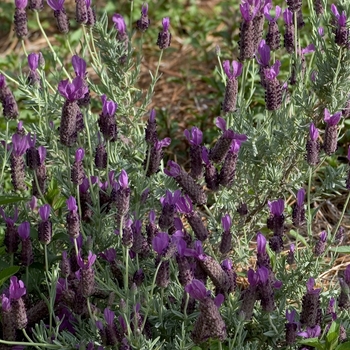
268 8
313 132
56 5
19 144
109 316
311 332
123 179
288 16
166 24
300 197
276 207
160 242
196 289
310 287
271 73
79 66
24 230
17 288
86 264
265 54
226 222
119 23
73 91
21 4
236 70
261 243
195 138
33 61
72 204
174 169
110 254
108 107
44 212
332 119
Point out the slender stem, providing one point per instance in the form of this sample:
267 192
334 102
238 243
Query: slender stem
151 295
68 44
27 275
89 140
186 304
46 259
55 57
309 221
93 42
148 158
88 44
342 214
76 248
338 66
24 47
130 19
38 187
31 343
80 215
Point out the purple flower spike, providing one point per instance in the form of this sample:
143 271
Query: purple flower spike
160 242
196 136
271 73
123 179
90 261
313 132
341 18
79 154
300 197
44 212
72 204
109 316
226 222
174 169
24 230
276 207
42 154
119 23
288 17
196 289
73 91
310 286
33 61
265 54
221 123
166 24
311 332
332 119
110 254
290 316
21 4
79 66
19 144
17 288
144 9
56 5
108 107
261 242
236 70
323 236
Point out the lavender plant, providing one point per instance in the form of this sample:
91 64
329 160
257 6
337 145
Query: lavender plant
106 247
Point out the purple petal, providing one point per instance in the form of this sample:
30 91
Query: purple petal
196 289
33 203
174 169
79 154
44 212
221 123
313 132
72 204
160 242
261 243
79 66
219 299
300 197
290 316
166 24
33 61
109 316
24 230
226 222
119 23
123 179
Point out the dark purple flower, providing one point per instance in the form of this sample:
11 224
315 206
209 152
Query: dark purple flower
119 23
173 170
108 106
109 316
5 303
264 54
33 203
290 316
72 204
86 264
33 61
79 154
195 138
21 4
24 230
17 288
340 18
166 24
261 244
308 49
332 119
276 207
79 66
44 212
226 222
196 289
300 197
311 332
110 254
56 5
19 145
160 242
236 70
42 154
73 91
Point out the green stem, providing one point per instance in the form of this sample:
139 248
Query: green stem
46 259
24 48
148 158
68 44
79 209
338 66
55 57
38 187
342 214
89 140
151 296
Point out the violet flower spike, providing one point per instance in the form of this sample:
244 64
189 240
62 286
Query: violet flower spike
332 119
313 132
33 61
119 23
21 4
226 222
79 154
195 138
300 197
56 5
236 70
72 204
44 212
17 288
264 53
108 107
196 289
79 66
160 242
24 230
